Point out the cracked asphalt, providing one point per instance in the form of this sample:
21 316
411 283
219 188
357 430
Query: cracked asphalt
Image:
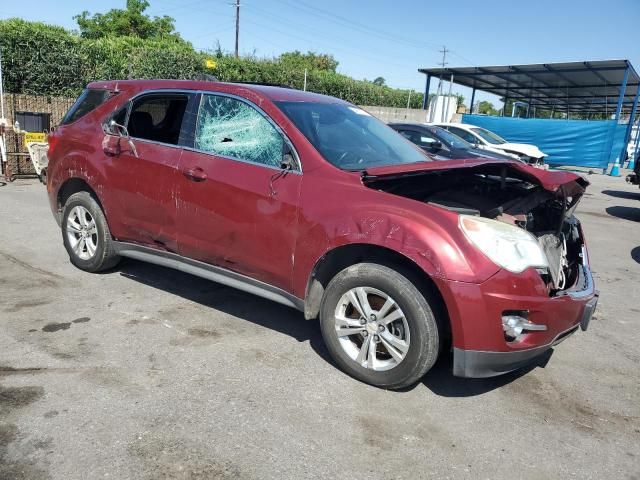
148 373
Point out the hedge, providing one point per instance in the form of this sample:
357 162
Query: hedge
43 59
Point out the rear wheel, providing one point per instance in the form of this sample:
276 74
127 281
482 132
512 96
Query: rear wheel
378 327
86 235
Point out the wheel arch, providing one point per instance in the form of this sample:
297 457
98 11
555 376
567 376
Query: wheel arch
339 258
74 185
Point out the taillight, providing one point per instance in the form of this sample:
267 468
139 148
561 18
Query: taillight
53 141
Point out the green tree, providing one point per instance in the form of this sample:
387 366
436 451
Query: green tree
129 22
312 61
486 108
380 81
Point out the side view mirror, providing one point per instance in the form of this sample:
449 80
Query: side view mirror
288 162
117 129
432 146
111 142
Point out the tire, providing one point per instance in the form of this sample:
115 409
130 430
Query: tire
98 252
389 367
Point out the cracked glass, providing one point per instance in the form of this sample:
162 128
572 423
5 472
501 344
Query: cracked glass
231 128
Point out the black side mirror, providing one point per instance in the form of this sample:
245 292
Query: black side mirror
432 146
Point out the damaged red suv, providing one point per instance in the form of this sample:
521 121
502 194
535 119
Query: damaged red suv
311 202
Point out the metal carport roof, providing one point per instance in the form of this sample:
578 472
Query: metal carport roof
588 86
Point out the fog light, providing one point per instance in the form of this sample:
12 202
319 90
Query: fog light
516 325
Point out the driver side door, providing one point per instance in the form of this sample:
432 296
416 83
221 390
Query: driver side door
237 207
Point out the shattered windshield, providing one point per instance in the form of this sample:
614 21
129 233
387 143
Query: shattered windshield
231 128
350 138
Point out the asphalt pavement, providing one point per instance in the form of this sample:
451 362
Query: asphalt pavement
147 373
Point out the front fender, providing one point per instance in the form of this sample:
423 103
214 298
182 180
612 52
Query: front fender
427 235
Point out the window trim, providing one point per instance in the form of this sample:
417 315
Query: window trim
191 97
198 94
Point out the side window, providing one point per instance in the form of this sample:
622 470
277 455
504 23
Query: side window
463 134
158 117
231 128
88 100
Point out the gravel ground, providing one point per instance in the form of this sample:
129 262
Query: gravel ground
147 373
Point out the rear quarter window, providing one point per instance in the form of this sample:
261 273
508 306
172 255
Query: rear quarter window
88 101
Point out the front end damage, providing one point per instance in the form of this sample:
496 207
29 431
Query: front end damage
506 193
505 321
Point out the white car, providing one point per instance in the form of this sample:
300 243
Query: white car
483 138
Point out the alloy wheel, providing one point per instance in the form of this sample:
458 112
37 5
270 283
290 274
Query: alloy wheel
82 233
371 328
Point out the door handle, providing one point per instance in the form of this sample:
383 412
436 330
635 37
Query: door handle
195 174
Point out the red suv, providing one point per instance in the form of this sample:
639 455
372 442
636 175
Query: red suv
311 202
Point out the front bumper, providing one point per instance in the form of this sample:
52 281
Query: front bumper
481 364
479 347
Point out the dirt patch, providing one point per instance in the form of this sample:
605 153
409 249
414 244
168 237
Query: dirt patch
165 458
54 327
551 403
16 397
46 277
202 333
12 398
18 306
81 320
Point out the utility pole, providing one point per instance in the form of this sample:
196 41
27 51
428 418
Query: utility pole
443 64
237 26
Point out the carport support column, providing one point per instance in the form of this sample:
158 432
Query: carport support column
425 99
627 135
473 99
615 170
623 90
635 148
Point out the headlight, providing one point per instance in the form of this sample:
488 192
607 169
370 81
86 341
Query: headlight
507 246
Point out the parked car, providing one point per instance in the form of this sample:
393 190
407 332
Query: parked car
487 140
442 144
312 202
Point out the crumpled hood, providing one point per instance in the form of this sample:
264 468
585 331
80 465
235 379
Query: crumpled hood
523 148
550 180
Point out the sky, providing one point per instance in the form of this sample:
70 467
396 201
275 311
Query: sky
392 39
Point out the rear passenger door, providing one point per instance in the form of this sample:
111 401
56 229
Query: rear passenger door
238 208
143 176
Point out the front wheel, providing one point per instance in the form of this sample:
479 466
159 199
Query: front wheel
378 326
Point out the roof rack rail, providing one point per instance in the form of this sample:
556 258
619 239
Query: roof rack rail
205 77
266 84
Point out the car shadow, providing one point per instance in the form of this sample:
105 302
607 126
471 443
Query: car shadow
231 301
625 213
268 314
635 254
623 194
441 381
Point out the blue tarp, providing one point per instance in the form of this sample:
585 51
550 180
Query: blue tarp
579 143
